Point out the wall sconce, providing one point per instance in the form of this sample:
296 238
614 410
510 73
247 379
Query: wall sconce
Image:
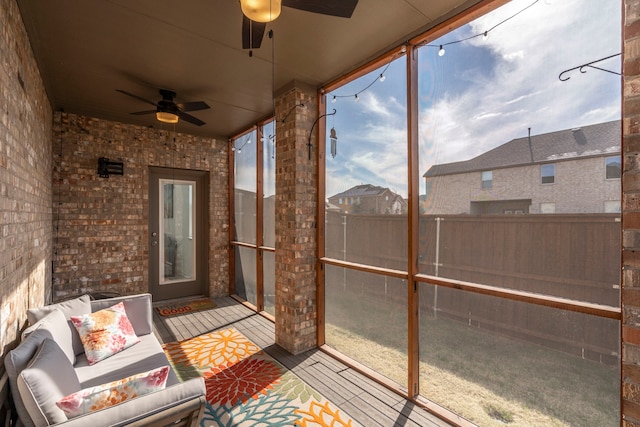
106 168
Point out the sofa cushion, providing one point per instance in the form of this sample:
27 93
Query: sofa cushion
105 332
58 326
17 360
48 377
145 355
109 394
72 307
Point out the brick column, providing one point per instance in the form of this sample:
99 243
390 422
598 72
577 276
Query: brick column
631 216
296 191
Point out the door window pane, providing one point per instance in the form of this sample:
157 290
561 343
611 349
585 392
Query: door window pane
177 242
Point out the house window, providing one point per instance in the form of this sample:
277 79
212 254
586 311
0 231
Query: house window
547 208
487 179
340 201
548 173
612 206
613 167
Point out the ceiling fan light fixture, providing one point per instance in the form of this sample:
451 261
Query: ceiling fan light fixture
167 117
261 10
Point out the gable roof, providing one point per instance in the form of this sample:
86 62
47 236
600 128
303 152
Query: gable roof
593 140
362 190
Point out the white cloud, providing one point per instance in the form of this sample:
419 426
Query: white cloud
530 51
483 108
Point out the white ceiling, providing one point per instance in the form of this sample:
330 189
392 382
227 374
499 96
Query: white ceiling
86 49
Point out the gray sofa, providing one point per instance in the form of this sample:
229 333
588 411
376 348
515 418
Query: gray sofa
51 344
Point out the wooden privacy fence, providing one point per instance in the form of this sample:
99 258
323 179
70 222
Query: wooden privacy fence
574 256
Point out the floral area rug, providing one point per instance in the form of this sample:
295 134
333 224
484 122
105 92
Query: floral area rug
247 387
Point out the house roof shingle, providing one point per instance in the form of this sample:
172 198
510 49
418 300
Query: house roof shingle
362 190
598 139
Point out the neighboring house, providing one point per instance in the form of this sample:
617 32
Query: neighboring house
369 199
569 171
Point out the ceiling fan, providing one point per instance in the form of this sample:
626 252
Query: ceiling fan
167 111
256 14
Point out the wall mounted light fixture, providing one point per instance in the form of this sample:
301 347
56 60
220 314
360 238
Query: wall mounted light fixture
106 168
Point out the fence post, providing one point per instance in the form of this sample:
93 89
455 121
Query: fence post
437 267
344 252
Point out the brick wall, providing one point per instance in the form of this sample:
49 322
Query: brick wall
631 216
296 241
25 178
100 225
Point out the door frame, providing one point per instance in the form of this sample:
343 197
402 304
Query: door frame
199 286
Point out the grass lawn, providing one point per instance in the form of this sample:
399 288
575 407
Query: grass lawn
489 379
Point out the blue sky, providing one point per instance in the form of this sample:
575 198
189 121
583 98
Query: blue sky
481 93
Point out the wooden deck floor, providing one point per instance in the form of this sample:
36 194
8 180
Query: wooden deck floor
367 402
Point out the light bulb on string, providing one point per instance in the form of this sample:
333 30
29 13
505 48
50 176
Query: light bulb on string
333 101
441 51
357 99
485 35
239 150
382 77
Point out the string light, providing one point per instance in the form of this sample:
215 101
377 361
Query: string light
484 34
239 149
379 78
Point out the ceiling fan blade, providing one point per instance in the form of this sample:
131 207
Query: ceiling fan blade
193 106
189 118
252 33
136 97
340 8
140 113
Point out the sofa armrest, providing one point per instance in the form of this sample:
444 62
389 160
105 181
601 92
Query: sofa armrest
138 308
180 405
